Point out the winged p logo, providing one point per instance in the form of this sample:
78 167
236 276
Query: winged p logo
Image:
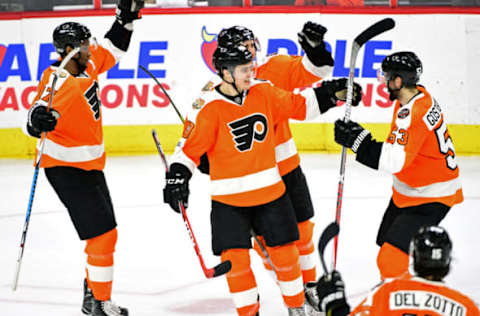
248 129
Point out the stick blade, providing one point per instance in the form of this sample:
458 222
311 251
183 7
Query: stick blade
328 234
374 30
222 268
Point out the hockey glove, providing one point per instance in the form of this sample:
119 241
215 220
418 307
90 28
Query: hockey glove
333 90
350 134
331 294
128 11
41 120
176 188
311 40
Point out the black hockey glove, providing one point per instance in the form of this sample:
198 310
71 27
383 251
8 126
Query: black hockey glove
311 40
350 134
128 11
40 120
176 187
333 90
331 295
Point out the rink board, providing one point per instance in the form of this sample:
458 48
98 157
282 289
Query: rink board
448 45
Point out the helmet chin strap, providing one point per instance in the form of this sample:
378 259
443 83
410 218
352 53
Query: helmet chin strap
233 83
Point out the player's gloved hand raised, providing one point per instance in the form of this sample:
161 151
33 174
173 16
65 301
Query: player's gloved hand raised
311 40
331 294
333 90
176 187
42 120
128 11
350 134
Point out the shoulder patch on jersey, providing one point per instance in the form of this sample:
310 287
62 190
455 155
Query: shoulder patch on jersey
209 86
198 104
403 113
433 115
187 128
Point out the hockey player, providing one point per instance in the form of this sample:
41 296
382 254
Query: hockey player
418 152
289 72
73 155
233 123
425 293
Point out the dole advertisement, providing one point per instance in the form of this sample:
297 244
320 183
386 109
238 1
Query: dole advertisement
180 58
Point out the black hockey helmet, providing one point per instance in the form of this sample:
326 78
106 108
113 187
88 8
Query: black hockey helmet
69 33
234 36
431 249
229 58
405 65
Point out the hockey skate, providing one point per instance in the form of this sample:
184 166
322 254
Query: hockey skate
312 300
87 299
107 308
297 311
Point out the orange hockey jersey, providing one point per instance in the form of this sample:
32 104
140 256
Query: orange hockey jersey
419 152
415 296
288 73
240 142
77 140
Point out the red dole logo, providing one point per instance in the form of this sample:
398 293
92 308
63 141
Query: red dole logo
209 45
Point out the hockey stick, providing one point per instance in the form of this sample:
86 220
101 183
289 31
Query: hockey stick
164 91
262 248
264 251
374 30
328 233
219 269
35 173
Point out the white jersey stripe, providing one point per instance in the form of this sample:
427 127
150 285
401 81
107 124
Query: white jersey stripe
72 154
434 190
250 182
285 150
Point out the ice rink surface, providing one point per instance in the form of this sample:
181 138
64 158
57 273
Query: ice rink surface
156 269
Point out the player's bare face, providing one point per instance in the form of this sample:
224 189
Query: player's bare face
243 75
393 87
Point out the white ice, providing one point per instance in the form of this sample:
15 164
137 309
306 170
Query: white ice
156 269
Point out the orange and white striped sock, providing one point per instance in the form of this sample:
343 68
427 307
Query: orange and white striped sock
306 250
241 282
286 261
99 268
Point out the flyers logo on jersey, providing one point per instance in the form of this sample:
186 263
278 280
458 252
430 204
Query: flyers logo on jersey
247 130
93 100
